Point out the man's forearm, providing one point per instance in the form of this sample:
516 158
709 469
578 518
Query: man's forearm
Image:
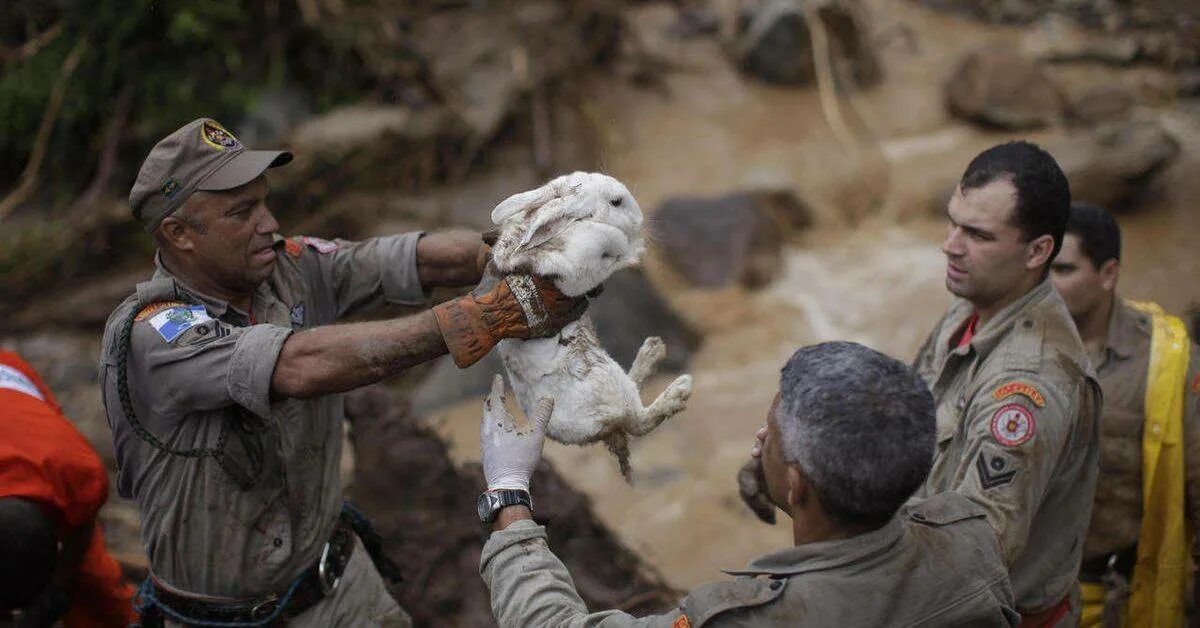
339 358
450 259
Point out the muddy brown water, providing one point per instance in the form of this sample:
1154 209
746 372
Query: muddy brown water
879 281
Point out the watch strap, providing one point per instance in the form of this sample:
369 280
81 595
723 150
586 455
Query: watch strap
502 498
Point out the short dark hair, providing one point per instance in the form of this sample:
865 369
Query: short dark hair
1098 233
1043 194
28 551
860 425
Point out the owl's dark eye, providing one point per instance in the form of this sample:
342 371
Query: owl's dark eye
616 202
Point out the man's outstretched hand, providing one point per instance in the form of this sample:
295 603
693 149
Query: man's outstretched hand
510 453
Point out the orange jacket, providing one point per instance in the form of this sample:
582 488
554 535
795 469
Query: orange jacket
44 458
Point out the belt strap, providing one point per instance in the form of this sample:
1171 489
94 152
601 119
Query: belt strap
313 585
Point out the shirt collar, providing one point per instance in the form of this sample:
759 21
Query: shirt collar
1127 329
988 336
216 307
824 555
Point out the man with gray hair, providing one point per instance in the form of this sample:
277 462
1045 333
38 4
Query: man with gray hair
849 438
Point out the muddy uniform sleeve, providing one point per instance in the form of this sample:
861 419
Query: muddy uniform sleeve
182 361
1015 429
1191 438
358 276
531 587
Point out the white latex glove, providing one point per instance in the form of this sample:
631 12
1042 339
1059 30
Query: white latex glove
509 454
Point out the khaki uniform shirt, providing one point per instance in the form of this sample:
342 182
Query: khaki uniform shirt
936 563
203 532
1017 413
1122 365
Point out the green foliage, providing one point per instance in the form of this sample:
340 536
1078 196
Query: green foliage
175 60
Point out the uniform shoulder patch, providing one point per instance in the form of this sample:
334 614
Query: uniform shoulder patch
203 333
682 622
14 379
1019 388
1013 425
293 247
155 308
994 470
322 246
173 321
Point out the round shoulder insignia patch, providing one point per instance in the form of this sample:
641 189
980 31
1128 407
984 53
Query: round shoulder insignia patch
1012 425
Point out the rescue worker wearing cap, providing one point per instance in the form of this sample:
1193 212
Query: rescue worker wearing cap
221 376
1135 568
860 556
53 562
1017 401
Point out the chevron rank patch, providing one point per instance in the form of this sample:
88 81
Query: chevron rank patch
1013 425
994 470
14 379
682 622
171 322
203 333
323 247
1019 388
155 308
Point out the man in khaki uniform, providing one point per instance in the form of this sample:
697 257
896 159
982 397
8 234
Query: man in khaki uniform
1017 403
859 558
1117 336
220 377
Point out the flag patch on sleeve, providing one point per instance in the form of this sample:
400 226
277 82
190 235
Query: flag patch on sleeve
172 322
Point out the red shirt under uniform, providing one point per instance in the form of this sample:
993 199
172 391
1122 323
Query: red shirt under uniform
44 458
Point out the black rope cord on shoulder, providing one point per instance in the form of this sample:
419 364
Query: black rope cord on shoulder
243 479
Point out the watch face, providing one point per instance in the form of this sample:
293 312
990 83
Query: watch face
484 507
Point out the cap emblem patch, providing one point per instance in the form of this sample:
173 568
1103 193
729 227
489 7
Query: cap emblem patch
170 188
216 136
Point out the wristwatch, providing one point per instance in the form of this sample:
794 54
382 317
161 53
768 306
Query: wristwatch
490 502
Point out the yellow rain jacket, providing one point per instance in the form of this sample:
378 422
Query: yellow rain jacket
1160 575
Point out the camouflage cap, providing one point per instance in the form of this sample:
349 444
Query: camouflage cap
201 155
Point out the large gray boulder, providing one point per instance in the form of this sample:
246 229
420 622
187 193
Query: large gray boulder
736 239
774 44
1113 164
997 86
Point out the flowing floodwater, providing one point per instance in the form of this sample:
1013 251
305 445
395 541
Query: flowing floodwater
871 271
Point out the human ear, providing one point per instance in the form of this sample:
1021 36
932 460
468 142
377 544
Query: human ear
797 486
177 234
1110 270
1038 251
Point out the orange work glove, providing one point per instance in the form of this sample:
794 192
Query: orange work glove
515 306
